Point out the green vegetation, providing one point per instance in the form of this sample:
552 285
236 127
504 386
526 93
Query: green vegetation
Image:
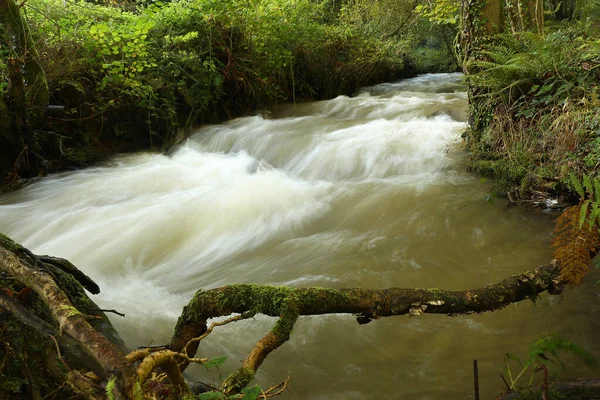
544 353
135 76
535 108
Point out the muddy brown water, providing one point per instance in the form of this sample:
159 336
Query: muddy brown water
368 191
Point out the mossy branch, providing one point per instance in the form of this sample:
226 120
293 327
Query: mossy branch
367 304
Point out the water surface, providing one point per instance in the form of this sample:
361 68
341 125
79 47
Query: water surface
368 191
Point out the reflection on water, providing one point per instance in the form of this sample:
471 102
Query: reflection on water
367 191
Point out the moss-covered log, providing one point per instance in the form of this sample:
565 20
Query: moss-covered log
288 304
35 275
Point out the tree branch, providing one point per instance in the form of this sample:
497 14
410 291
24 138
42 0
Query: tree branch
288 304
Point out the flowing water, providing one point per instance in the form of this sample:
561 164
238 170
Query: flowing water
368 191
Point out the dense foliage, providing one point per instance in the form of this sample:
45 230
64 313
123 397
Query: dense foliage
134 75
535 108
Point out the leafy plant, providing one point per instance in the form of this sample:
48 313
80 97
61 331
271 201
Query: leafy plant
214 362
577 236
544 352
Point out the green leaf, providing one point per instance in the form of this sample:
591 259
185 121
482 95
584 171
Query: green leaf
551 344
595 214
583 213
210 396
597 189
509 356
214 362
577 185
545 89
587 184
251 393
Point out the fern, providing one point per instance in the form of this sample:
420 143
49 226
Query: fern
110 386
577 237
544 351
519 62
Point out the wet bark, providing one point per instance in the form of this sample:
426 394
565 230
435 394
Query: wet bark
17 263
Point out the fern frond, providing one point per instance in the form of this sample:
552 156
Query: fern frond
583 211
574 244
577 185
587 185
595 214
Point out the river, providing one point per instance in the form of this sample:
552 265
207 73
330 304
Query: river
369 191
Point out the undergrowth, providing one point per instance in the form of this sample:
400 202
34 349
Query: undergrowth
134 75
536 110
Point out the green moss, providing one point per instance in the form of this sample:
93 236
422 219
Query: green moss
238 380
26 349
285 325
9 244
264 299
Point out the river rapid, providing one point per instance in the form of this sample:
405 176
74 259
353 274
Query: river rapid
369 191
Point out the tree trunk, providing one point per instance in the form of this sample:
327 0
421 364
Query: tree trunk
28 89
491 12
478 19
26 52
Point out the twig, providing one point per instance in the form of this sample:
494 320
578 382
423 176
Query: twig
7 346
110 311
159 347
53 393
476 379
277 389
504 380
544 382
58 352
210 329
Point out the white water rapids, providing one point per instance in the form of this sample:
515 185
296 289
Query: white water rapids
367 191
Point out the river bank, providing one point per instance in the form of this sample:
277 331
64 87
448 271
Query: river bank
122 78
534 112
